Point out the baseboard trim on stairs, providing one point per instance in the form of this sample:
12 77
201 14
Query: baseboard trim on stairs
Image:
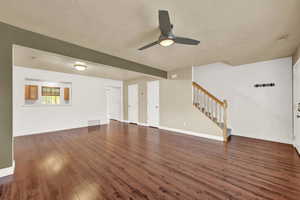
203 135
7 171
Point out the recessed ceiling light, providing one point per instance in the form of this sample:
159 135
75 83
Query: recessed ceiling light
80 66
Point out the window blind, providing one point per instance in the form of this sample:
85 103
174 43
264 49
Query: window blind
50 91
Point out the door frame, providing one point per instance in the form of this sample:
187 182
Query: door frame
296 137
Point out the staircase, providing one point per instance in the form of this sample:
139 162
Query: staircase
212 107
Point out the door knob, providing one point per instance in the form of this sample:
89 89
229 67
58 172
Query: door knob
298 116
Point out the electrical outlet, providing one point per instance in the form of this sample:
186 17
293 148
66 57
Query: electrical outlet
184 123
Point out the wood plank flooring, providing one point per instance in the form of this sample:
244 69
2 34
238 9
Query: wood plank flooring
125 161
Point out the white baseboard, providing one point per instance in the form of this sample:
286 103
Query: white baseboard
297 147
279 140
213 137
143 124
138 123
7 171
54 130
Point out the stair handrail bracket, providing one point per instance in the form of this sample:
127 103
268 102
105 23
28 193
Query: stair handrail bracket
214 108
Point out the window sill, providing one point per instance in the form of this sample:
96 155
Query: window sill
46 105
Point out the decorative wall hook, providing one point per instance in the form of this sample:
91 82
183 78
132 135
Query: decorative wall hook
265 85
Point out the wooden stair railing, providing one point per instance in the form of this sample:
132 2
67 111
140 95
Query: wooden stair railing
212 107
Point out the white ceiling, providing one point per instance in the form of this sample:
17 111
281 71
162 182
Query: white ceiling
32 58
231 31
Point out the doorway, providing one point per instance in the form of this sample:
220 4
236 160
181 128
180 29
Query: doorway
153 103
133 102
114 105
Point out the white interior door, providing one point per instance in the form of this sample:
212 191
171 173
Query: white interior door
153 103
297 105
114 103
133 103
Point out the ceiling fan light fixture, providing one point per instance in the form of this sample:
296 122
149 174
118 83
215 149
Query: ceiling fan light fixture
80 66
166 42
167 38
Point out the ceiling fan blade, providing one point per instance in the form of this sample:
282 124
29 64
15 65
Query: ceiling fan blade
164 22
148 45
188 41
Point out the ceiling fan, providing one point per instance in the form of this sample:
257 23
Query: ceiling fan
167 38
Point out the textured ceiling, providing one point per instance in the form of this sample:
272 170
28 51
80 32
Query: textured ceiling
32 58
231 31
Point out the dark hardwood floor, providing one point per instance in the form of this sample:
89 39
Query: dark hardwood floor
125 161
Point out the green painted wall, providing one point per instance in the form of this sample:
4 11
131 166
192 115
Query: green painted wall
12 35
5 103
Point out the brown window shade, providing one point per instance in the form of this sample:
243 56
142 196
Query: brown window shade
31 92
50 91
66 94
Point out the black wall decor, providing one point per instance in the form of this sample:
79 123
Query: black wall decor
264 85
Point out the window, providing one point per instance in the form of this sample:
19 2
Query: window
50 95
39 92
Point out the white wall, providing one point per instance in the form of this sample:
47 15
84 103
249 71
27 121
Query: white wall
264 113
296 101
88 103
